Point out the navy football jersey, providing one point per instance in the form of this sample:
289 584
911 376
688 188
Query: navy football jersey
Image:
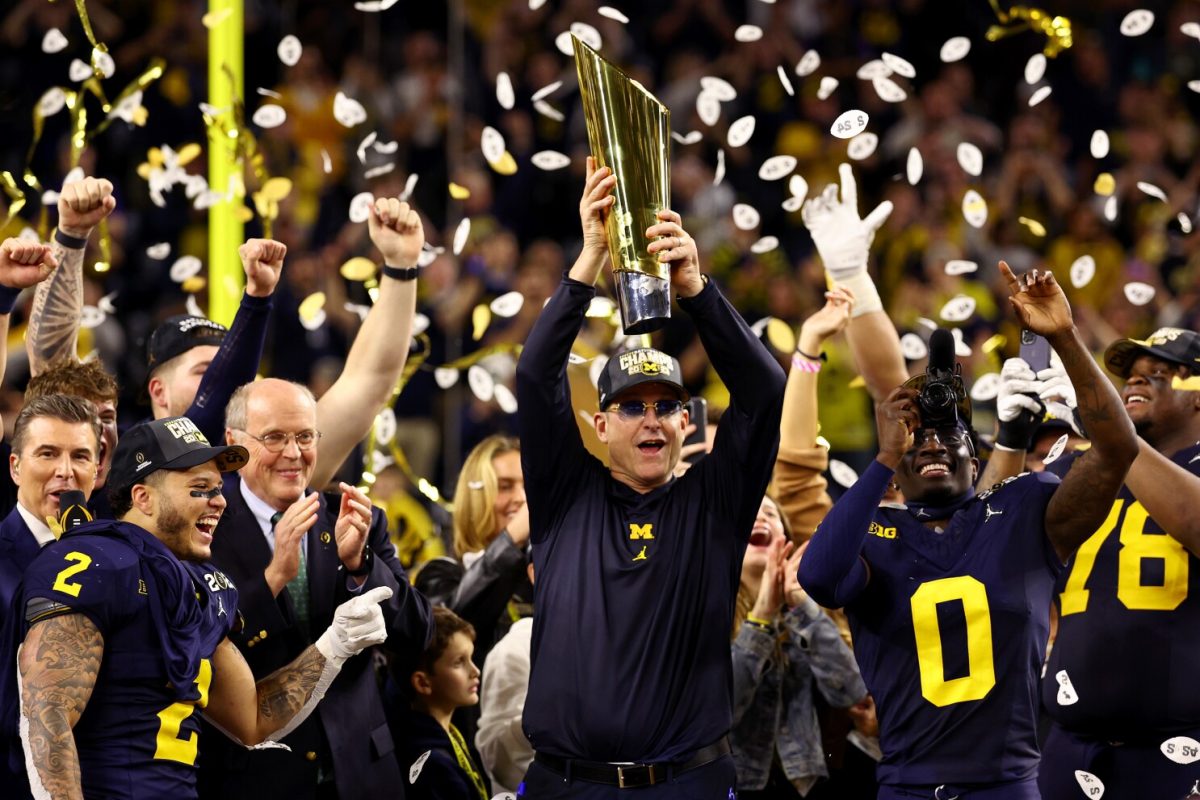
950 634
1128 649
135 739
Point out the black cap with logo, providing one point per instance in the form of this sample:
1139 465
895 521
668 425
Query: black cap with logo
170 443
635 367
1170 344
179 334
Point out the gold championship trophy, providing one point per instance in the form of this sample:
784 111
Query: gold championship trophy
629 131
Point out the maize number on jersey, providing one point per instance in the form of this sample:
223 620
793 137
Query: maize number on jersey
169 746
981 669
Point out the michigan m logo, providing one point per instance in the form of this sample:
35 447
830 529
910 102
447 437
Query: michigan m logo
641 531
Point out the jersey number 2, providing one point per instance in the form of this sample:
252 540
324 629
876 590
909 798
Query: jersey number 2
63 582
981 668
169 746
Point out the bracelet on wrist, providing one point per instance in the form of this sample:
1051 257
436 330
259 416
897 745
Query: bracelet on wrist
68 241
401 273
364 568
8 299
805 363
759 622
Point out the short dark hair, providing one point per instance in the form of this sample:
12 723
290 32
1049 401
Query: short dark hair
121 499
68 408
87 379
445 624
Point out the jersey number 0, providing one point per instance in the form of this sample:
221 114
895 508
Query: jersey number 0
981 669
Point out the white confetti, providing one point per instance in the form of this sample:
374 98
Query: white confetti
414 771
797 186
1083 269
745 217
915 167
986 387
875 68
708 108
546 91
1040 95
1110 208
719 88
445 377
348 111
719 172
748 33
1091 785
505 399
1099 144
269 93
1035 68
808 64
158 251
482 384
849 124
428 255
547 110
375 6
460 236
970 158
961 349
586 34
91 317
492 144
793 204
1152 190
1185 222
974 208
420 323
534 5
829 86
900 66
600 308
691 137
842 473
785 80
505 95
289 50
740 131
777 167
928 323
507 304
913 347
361 150
612 13
53 101
1194 85
375 172
185 267
1191 29
958 309
326 161
105 303
79 71
54 41
104 63
955 49
360 206
764 245
1055 451
385 426
1137 22
1181 749
550 160
1138 293
862 146
960 267
888 90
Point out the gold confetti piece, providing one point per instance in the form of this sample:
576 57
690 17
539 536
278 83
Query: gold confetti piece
1016 19
358 269
505 165
276 189
1035 227
193 284
1105 184
311 305
481 317
214 18
781 336
459 192
996 342
857 382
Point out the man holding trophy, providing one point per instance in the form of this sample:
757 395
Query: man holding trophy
637 570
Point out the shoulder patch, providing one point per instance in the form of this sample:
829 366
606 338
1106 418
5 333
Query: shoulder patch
43 608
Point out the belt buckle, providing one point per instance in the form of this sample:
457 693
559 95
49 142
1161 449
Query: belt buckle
621 774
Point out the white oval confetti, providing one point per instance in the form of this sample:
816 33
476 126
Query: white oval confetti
612 13
1055 451
1083 269
105 303
691 137
193 307
719 88
888 90
842 473
54 41
420 323
505 95
960 267
914 168
913 347
1137 22
708 108
79 71
348 111
492 144
875 68
748 33
414 771
1035 68
740 131
961 348
600 308
1152 190
586 34
185 267
974 208
986 387
745 217
104 62
1185 223
808 64
507 304
1040 95
482 384
955 49
159 251
1100 144
900 66
1194 85
289 50
51 102
461 233
1091 785
1191 29
719 172
764 245
1138 293
546 91
360 206
505 399
970 158
798 186
777 167
785 80
849 124
269 116
1181 749
445 377
829 86
91 317
958 309
793 204
550 160
862 146
385 425
548 111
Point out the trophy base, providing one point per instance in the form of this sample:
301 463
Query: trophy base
644 300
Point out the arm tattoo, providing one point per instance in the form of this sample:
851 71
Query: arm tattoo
284 692
59 663
57 309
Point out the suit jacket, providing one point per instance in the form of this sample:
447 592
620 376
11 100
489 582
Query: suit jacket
348 731
18 549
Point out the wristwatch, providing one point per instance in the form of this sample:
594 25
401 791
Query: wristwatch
364 568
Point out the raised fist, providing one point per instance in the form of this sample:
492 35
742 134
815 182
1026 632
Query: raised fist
83 204
397 231
263 260
24 263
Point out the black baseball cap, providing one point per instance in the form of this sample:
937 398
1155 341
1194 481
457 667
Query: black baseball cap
169 443
179 334
634 367
1170 344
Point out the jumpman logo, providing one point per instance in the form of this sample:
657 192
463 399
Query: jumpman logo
220 606
989 513
642 555
922 513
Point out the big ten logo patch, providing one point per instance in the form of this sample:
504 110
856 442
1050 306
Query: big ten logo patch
183 428
646 362
883 533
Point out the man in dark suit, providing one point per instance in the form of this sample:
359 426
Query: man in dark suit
294 555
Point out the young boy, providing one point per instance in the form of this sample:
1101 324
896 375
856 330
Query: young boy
435 754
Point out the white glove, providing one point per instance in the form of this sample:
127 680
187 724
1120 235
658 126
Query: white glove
1017 383
1058 393
843 239
357 624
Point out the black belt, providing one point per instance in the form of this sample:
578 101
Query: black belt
630 776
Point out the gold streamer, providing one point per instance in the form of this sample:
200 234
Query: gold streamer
81 7
16 198
1056 29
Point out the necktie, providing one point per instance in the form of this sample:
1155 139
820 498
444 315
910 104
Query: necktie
298 586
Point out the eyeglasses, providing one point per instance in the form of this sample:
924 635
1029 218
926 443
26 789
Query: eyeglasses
276 441
949 437
636 409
